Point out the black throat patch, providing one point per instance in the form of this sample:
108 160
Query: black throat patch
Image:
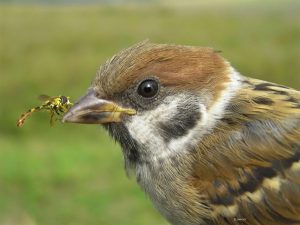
129 145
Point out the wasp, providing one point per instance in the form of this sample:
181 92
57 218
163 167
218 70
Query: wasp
57 106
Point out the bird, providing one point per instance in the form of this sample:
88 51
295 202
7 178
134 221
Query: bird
206 144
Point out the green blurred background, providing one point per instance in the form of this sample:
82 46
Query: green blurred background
73 174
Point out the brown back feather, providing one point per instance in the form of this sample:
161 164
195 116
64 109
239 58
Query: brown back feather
251 165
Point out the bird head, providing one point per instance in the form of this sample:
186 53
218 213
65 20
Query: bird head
156 99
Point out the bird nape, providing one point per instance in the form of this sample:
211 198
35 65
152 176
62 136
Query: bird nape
208 145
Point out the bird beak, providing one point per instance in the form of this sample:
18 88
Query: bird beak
92 110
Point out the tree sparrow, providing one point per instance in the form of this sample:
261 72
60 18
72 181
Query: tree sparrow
208 145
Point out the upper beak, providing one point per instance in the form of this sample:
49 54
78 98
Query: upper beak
92 110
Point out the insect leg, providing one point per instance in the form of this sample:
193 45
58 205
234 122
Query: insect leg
51 118
61 109
56 110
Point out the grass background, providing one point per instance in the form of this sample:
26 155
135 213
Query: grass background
71 174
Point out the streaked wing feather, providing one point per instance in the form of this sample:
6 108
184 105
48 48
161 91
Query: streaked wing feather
253 172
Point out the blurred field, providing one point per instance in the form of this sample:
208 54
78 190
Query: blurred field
72 174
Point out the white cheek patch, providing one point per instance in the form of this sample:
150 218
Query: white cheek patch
217 110
144 128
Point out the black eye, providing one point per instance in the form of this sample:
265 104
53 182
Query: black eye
63 99
148 88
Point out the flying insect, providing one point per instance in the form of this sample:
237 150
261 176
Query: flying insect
57 106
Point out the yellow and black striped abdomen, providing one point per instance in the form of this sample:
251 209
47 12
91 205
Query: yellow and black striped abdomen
25 115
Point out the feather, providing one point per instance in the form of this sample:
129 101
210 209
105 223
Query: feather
251 172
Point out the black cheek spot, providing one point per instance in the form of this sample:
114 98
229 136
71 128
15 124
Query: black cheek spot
263 101
177 126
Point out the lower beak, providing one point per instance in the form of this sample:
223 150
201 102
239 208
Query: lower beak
92 110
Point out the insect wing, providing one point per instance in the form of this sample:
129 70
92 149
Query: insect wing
44 97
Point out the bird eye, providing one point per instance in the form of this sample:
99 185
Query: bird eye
148 88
